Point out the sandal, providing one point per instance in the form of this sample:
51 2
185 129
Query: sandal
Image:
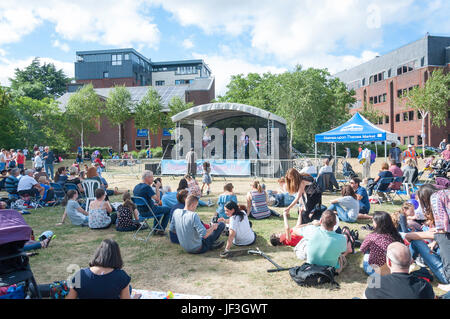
367 227
347 233
355 234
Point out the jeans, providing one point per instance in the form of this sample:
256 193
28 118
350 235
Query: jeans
32 246
49 170
208 242
431 259
158 210
342 213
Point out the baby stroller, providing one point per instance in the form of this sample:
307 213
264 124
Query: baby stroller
14 265
442 168
347 170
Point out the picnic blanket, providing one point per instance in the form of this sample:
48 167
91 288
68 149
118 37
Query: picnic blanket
147 294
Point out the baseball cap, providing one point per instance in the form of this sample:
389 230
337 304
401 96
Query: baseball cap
409 145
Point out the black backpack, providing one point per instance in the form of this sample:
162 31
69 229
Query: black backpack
308 275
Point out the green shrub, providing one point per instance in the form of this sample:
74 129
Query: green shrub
157 151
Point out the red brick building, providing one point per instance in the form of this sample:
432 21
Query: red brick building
189 80
384 81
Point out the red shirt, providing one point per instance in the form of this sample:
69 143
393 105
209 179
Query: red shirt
20 159
293 242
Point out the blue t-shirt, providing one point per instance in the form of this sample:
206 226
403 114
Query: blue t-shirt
92 286
169 199
364 202
46 188
223 199
145 191
384 174
324 247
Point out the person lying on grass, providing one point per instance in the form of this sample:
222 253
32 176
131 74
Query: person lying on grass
290 236
77 215
241 233
104 279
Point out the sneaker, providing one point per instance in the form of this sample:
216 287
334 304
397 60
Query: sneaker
207 192
419 262
218 244
210 203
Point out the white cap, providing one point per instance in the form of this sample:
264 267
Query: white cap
409 145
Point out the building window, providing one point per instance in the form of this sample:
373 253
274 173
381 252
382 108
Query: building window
371 100
386 119
105 74
384 97
363 82
405 140
411 115
183 82
138 145
116 59
80 58
411 140
389 73
419 115
375 100
419 140
160 83
405 116
399 93
422 61
126 56
397 117
380 120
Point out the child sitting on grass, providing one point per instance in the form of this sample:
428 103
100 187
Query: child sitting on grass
224 198
405 219
77 215
125 214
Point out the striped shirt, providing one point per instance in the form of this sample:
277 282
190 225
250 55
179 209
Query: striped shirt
440 204
259 209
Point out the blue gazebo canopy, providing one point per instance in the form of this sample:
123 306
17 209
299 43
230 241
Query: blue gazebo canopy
357 129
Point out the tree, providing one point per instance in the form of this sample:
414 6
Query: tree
118 108
177 105
431 100
370 113
82 109
39 81
148 113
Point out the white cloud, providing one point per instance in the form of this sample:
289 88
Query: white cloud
7 67
307 31
188 44
63 46
118 23
223 67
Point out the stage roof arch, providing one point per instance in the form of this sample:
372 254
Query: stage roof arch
213 112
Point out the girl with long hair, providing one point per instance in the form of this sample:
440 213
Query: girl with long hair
257 202
375 244
125 214
347 206
206 177
77 215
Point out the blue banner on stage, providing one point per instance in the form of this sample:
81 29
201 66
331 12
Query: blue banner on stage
220 167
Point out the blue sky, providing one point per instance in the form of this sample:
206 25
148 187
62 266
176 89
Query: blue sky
231 36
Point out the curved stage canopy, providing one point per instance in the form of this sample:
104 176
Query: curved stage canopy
213 112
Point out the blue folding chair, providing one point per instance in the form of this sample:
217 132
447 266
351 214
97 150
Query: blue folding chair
58 190
141 203
403 191
382 182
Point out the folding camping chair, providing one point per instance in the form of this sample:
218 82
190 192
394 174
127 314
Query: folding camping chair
403 189
71 186
14 264
59 191
142 203
386 193
90 186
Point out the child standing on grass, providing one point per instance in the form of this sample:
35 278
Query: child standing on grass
206 177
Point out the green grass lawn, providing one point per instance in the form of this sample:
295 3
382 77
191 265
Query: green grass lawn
160 265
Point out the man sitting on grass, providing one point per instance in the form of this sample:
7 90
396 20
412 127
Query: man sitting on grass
399 284
324 247
191 233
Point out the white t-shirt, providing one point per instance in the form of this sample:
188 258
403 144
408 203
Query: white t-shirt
244 234
2 158
351 205
326 169
25 183
309 170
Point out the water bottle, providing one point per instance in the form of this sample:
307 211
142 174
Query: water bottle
45 235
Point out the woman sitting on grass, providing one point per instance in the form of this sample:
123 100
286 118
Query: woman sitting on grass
241 233
224 198
100 216
375 244
104 279
125 214
257 202
74 179
77 215
347 206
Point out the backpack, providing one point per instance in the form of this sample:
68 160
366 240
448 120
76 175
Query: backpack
308 275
